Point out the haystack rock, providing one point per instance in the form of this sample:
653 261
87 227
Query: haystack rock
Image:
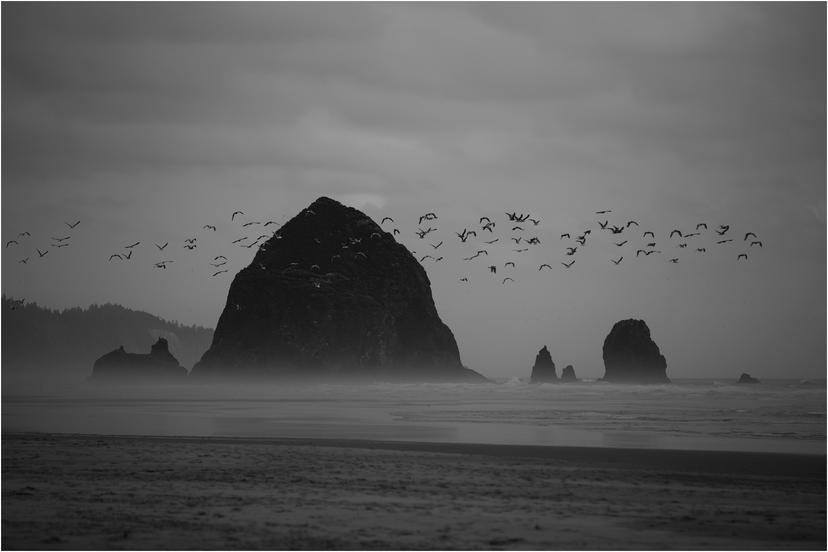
631 356
747 378
157 364
331 296
544 369
568 374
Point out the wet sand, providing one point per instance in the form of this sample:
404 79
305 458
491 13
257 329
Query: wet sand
106 492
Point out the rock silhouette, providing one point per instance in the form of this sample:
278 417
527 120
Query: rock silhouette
544 369
631 356
568 374
747 378
157 364
331 296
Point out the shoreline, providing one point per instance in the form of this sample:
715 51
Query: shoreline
64 491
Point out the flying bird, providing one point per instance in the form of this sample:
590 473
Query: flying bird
617 229
630 222
673 261
191 240
756 243
190 246
217 273
650 233
618 261
424 257
507 279
515 228
161 247
423 233
533 241
516 240
489 226
233 217
115 255
42 253
162 264
386 218
493 269
128 256
603 225
464 279
62 239
131 246
71 225
571 250
487 219
701 250
24 261
722 229
682 245
699 225
521 250
741 255
566 235
509 263
676 232
251 223
622 243
493 241
427 216
603 212
724 241
236 241
8 243
749 234
534 221
544 265
209 227
572 262
60 245
692 234
640 251
395 232
651 244
21 234
217 257
268 223
436 246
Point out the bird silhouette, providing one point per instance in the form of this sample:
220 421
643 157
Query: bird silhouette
521 250
60 245
424 257
436 246
427 216
191 240
115 255
617 229
603 225
161 247
741 256
650 233
24 261
534 221
749 234
464 279
438 259
162 264
190 246
581 240
493 241
516 240
603 212
618 261
571 250
487 219
216 265
699 225
701 250
544 265
62 239
386 218
507 279
128 256
651 244
724 241
395 232
42 253
8 243
631 222
233 217
572 262
622 243
493 269
21 234
673 261
423 233
507 263
251 223
209 227
648 253
238 240
219 272
70 225
676 231
755 243
682 245
690 235
516 228
131 246
565 236
489 226
640 251
533 241
722 229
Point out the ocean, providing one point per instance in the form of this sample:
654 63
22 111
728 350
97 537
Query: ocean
786 416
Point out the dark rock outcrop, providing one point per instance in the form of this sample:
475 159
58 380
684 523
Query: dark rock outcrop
544 369
157 364
332 296
747 378
631 356
568 374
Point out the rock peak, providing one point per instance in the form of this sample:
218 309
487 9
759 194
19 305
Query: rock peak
544 368
631 356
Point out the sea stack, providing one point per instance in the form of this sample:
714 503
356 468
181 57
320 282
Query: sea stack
157 364
631 356
331 296
747 378
544 369
568 374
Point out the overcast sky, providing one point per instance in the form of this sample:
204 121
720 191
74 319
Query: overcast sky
147 121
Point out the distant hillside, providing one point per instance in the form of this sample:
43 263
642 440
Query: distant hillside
62 345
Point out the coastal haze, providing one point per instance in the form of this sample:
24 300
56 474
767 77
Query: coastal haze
407 276
146 122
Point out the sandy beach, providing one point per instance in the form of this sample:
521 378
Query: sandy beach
102 492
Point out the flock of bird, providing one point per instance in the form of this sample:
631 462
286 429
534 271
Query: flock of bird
485 236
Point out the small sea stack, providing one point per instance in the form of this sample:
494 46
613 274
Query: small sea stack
158 364
631 356
544 369
747 378
568 374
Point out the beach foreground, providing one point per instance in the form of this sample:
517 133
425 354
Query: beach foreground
94 492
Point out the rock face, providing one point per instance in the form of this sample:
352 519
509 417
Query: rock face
544 369
631 356
332 296
158 364
568 374
747 378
